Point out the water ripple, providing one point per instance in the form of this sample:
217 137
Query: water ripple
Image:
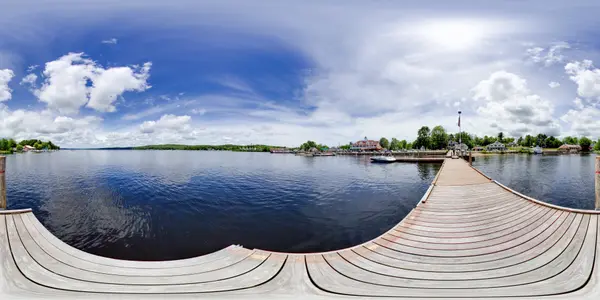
154 205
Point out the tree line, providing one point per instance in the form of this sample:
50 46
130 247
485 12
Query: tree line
438 138
7 145
227 147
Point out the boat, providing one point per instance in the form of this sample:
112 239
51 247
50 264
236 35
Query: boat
538 150
383 158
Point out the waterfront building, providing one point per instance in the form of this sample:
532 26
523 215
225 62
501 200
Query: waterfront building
366 145
461 147
566 148
496 146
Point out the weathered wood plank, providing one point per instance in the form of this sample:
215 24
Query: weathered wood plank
457 237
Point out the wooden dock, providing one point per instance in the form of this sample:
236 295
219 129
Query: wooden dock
469 237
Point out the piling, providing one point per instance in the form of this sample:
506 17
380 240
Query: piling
597 176
470 159
2 182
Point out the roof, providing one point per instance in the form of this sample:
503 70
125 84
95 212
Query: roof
568 146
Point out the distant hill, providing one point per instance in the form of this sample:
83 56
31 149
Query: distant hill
227 147
106 148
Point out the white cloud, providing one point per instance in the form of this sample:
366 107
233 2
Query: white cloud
29 80
198 111
586 77
508 101
25 124
583 120
73 81
108 84
167 123
234 83
32 68
110 41
5 76
550 57
553 84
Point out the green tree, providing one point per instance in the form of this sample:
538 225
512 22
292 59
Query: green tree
384 143
19 148
465 138
439 138
597 146
404 145
585 143
570 140
520 141
501 137
4 146
529 141
409 146
395 144
306 146
488 140
552 142
423 138
541 140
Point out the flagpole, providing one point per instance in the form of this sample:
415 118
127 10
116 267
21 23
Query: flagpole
459 134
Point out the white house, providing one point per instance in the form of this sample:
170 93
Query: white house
496 146
28 148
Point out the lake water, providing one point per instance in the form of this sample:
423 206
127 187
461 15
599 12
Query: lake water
154 205
566 180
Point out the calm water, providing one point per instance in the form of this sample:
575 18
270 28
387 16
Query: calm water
150 205
566 180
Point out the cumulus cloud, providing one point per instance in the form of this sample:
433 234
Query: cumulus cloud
5 76
583 119
73 81
167 123
586 76
549 57
110 41
108 84
507 99
25 124
553 84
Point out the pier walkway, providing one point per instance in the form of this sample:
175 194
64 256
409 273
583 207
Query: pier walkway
469 237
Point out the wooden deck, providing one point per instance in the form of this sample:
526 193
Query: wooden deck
469 237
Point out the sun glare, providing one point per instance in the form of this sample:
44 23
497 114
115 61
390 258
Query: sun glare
452 34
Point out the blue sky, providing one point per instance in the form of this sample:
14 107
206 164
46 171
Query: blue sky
122 73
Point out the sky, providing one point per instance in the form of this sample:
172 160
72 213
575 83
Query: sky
126 73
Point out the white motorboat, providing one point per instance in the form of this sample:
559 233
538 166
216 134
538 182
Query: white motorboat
538 150
383 158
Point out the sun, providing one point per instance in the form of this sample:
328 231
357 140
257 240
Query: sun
451 35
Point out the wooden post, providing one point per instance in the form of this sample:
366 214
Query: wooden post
597 182
470 159
2 182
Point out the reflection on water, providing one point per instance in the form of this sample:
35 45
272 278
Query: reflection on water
150 205
566 180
